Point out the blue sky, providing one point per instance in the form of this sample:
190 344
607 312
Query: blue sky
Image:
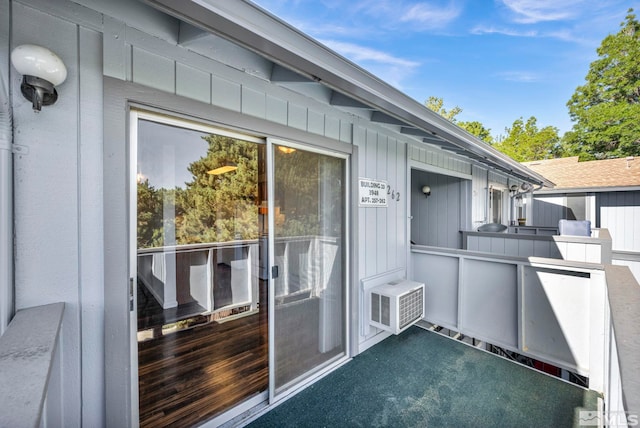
496 59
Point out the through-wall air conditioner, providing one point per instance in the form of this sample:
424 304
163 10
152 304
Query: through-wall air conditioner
396 306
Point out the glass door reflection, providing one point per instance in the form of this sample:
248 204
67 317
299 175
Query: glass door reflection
201 271
309 249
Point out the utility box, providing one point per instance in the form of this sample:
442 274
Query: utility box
397 305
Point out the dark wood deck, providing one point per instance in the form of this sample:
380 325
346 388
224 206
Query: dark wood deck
193 374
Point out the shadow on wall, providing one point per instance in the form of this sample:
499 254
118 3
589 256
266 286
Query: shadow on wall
438 218
548 211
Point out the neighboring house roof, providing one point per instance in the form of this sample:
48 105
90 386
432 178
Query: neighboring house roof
608 174
350 86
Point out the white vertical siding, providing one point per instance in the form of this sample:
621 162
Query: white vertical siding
548 210
382 240
620 213
436 220
479 196
47 183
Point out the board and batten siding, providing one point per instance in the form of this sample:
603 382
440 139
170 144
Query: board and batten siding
620 213
140 58
382 231
436 220
58 174
479 191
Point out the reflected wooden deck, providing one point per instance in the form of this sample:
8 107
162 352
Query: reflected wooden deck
191 375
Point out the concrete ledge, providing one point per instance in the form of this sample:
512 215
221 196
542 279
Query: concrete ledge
624 298
27 349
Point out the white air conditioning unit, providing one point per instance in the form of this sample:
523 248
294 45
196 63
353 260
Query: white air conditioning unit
396 306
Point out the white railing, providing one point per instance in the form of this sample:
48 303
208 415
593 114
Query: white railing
550 310
305 264
30 367
593 249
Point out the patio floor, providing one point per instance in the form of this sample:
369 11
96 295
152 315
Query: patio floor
421 379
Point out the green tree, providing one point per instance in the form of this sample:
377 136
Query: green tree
473 127
220 207
607 107
476 128
437 104
149 215
526 142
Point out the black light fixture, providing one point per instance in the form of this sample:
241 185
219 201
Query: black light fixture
42 71
426 190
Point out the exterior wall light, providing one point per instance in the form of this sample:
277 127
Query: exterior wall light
42 71
426 190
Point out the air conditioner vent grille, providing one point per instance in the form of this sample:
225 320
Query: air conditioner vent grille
396 305
411 306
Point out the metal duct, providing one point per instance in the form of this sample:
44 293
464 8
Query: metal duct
6 208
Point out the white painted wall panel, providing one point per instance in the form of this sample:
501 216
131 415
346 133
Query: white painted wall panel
548 210
489 302
393 219
46 183
382 227
479 196
297 116
440 275
277 110
193 83
332 127
511 247
153 70
254 103
225 93
498 245
382 234
315 122
558 305
525 247
541 248
346 131
91 230
620 213
436 220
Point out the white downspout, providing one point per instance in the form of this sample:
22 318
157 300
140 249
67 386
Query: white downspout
6 208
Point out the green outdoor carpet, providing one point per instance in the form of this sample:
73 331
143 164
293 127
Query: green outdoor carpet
421 379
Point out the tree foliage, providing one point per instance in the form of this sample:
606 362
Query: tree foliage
211 208
437 104
476 128
473 127
224 207
607 107
526 142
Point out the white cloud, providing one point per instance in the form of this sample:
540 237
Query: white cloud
359 54
532 11
519 76
430 16
421 15
480 29
385 66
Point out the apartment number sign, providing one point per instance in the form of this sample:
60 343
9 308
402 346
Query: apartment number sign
373 193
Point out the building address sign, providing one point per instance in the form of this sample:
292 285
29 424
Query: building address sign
372 193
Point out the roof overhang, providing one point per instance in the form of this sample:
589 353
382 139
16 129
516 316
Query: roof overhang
600 189
250 26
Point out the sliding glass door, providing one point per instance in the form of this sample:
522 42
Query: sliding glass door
201 252
309 292
239 255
